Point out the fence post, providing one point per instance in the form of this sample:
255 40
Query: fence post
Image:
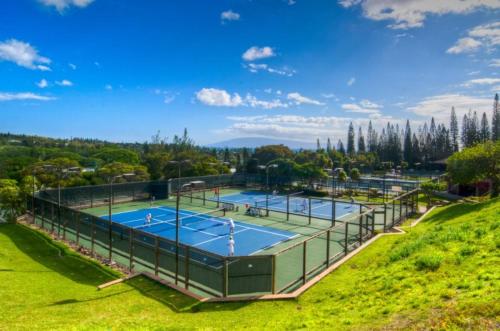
204 198
309 210
385 216
373 222
267 203
393 211
400 209
157 254
273 279
43 215
78 229
186 267
333 211
92 235
52 218
65 224
360 230
346 249
327 248
288 207
225 279
110 238
304 263
131 249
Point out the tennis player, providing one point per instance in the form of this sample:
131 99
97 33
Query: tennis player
231 226
148 219
304 205
230 245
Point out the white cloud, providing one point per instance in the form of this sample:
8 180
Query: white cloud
217 97
72 66
292 2
5 96
298 99
256 67
355 108
412 13
256 53
351 81
62 5
23 54
253 102
495 63
370 105
42 83
464 45
486 35
64 82
229 15
303 128
439 106
481 81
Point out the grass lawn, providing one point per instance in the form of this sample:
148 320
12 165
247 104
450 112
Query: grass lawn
443 274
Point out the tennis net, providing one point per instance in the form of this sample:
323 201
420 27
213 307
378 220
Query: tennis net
275 200
186 218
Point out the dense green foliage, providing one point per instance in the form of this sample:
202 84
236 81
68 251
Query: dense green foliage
442 275
481 162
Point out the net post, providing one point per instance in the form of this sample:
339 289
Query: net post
225 279
131 249
346 237
267 203
273 278
157 254
327 248
288 207
92 235
304 262
186 268
309 205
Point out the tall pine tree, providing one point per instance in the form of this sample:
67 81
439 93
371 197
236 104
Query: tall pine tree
495 120
361 142
454 133
407 144
484 132
350 140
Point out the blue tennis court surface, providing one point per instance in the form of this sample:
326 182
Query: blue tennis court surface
320 208
203 231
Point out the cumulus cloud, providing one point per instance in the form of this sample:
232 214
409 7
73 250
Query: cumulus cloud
495 63
5 96
412 13
351 81
42 83
217 97
23 54
481 81
229 15
485 35
64 82
299 99
439 106
257 53
62 5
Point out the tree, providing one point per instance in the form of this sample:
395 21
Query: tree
342 175
407 145
266 154
113 154
350 140
361 142
355 174
11 199
481 162
454 130
328 146
318 145
495 120
484 132
340 147
119 168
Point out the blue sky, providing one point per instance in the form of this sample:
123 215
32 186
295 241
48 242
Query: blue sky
122 70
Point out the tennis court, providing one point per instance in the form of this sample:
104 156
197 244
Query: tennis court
206 231
320 208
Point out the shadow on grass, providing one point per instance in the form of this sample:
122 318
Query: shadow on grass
56 257
452 212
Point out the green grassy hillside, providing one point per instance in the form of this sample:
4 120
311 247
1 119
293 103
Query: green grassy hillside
443 274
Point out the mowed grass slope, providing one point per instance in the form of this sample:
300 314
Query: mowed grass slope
444 274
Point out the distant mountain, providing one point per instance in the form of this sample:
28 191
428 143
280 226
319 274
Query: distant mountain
253 142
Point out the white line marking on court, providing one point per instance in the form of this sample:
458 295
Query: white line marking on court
279 242
218 237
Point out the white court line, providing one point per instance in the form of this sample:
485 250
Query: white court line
279 242
182 226
218 237
139 219
245 227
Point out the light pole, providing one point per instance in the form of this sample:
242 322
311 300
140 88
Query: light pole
267 167
111 180
179 164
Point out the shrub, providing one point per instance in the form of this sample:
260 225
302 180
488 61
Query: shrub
428 262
